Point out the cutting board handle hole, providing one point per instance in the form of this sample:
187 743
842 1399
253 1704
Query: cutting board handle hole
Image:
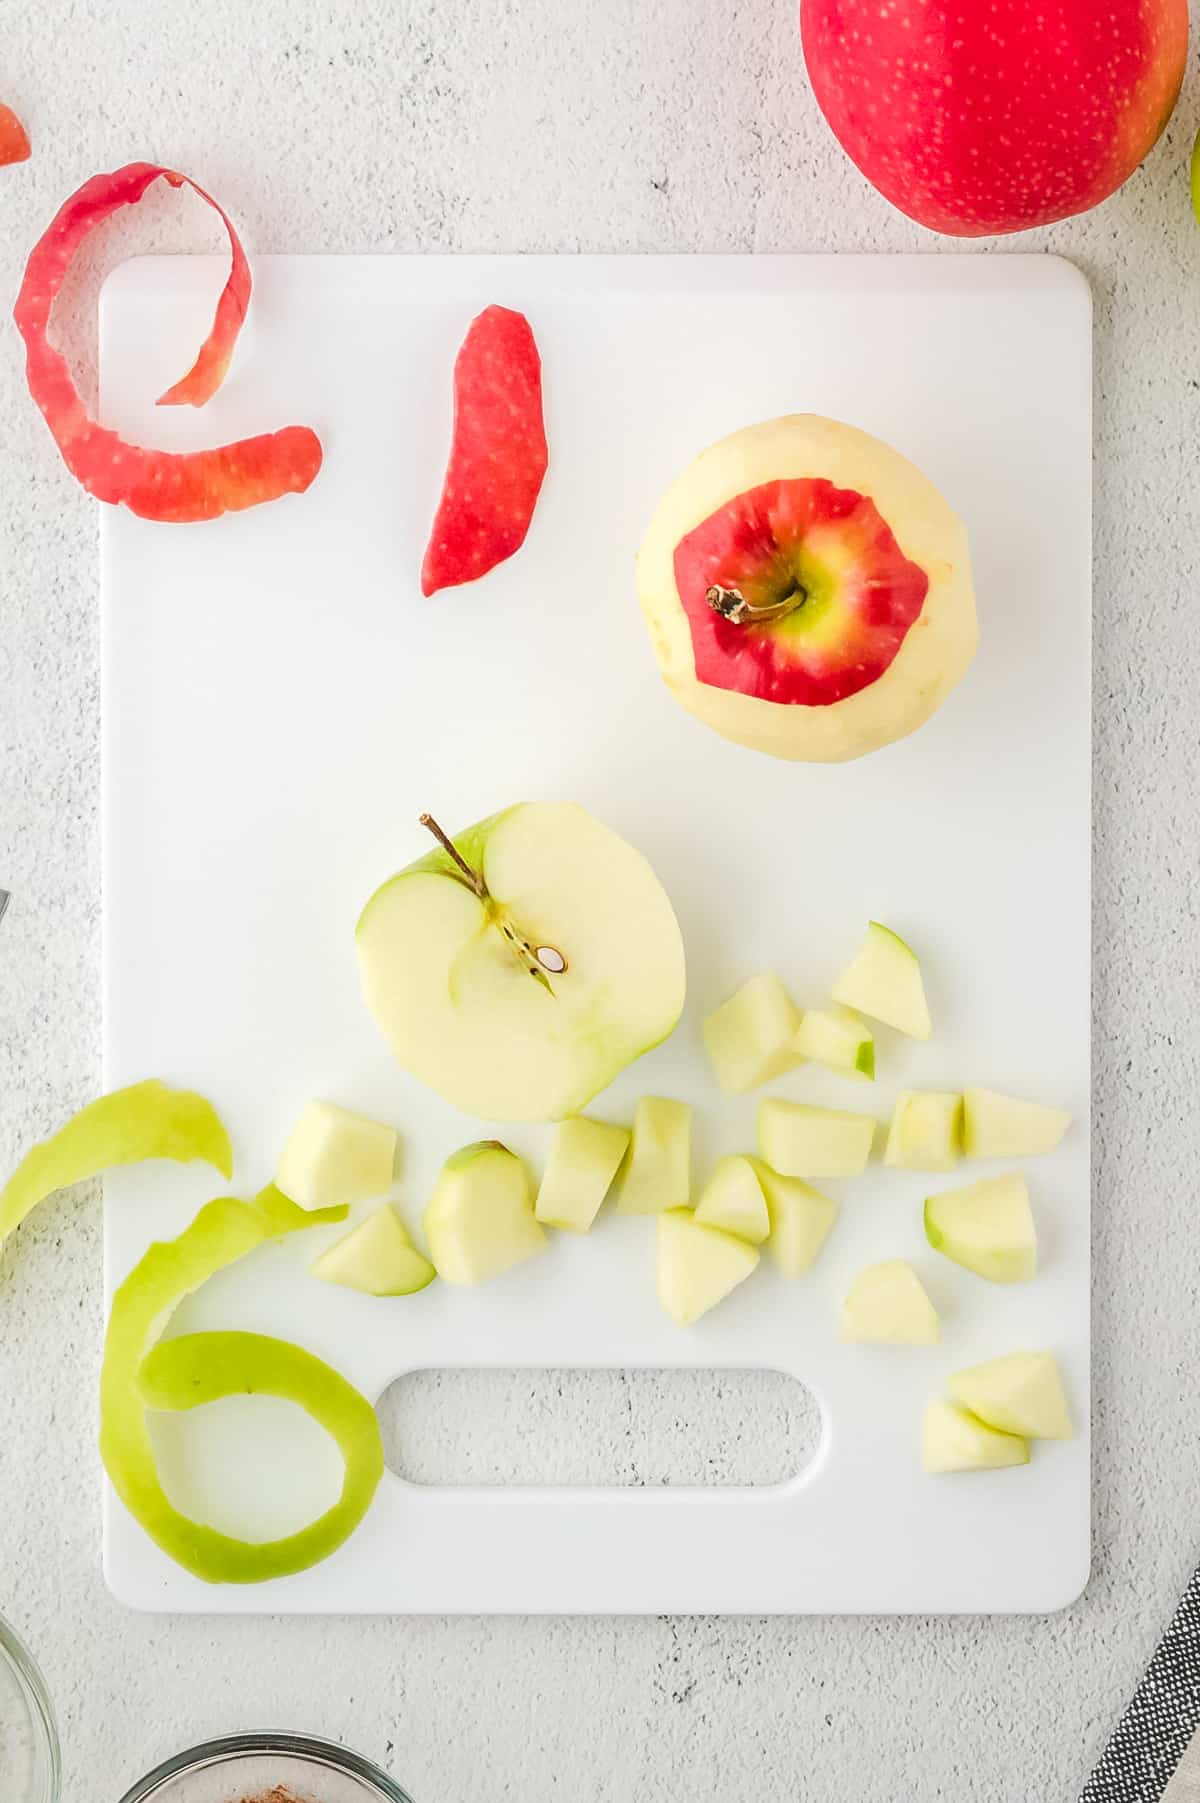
587 1427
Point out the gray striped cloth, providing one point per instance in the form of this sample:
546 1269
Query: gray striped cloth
1154 1755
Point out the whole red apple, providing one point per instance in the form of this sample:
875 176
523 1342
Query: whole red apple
980 116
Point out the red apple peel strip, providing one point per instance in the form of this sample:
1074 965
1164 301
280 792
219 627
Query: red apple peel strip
498 456
157 485
14 139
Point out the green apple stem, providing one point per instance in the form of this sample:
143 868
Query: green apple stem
733 606
536 959
473 878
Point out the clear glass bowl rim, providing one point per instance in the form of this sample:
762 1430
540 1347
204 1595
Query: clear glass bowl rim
41 1713
232 1747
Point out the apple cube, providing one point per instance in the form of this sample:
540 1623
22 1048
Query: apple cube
697 1266
333 1156
801 1219
800 1140
884 981
733 1200
378 1257
996 1126
836 1037
952 1439
479 1222
987 1228
888 1302
751 1037
658 1173
1020 1394
926 1131
584 1158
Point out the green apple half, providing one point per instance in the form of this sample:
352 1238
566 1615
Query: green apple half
807 590
519 968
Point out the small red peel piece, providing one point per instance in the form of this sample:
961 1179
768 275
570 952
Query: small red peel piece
498 454
158 485
14 139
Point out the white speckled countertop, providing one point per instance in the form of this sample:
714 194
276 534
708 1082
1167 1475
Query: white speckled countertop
632 125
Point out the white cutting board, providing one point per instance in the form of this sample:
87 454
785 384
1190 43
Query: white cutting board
280 704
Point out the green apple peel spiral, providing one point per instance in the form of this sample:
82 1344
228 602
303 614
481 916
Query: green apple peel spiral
138 1374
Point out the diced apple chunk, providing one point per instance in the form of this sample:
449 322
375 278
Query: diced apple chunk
884 981
837 1038
888 1302
479 1222
952 1439
996 1126
751 1037
334 1156
733 1200
697 1266
1020 1394
987 1228
378 1257
658 1173
799 1140
584 1158
801 1219
926 1131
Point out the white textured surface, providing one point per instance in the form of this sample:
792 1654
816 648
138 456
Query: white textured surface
539 126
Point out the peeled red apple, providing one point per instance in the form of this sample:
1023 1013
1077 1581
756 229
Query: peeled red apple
975 118
519 967
807 590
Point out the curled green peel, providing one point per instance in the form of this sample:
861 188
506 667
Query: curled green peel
195 1369
147 1120
138 1373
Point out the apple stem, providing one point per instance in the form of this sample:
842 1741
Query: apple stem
732 605
450 848
537 960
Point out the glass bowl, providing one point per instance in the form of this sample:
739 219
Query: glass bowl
267 1768
30 1769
